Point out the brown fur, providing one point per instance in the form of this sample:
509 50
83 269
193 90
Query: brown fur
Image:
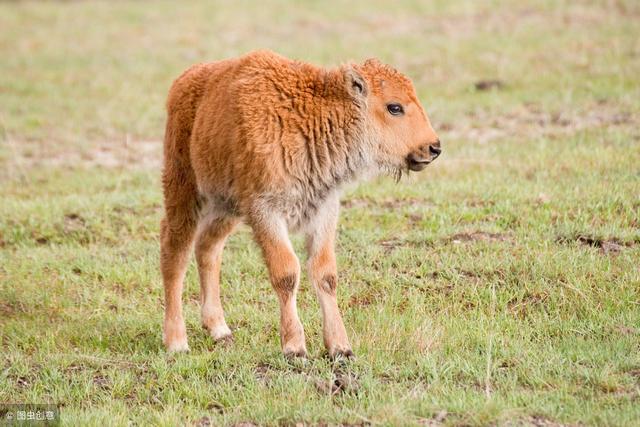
271 141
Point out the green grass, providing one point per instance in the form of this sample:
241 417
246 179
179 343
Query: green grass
500 286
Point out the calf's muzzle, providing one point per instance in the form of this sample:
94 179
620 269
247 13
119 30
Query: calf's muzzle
419 159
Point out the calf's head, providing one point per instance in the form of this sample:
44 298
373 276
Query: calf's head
395 121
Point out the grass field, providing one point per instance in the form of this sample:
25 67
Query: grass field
499 287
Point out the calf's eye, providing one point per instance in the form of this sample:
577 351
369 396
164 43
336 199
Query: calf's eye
395 109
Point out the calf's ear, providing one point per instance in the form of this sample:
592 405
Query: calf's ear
357 86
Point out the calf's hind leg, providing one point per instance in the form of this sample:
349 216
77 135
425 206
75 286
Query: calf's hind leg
175 247
209 245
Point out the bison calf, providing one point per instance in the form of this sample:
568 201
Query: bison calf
271 141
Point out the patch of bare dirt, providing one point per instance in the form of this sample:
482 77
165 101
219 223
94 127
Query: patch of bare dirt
435 421
263 373
342 379
342 382
8 310
522 306
73 222
203 422
138 210
102 382
479 203
478 236
480 274
215 406
22 382
635 374
606 246
483 85
362 299
537 421
322 424
391 244
388 203
626 330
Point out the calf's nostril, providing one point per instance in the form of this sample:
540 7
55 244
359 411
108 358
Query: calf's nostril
435 150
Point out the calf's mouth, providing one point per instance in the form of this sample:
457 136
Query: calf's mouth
419 160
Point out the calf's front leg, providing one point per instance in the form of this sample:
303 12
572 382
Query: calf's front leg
284 272
323 275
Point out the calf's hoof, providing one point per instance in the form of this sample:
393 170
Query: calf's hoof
174 337
295 350
295 354
180 346
341 354
220 333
